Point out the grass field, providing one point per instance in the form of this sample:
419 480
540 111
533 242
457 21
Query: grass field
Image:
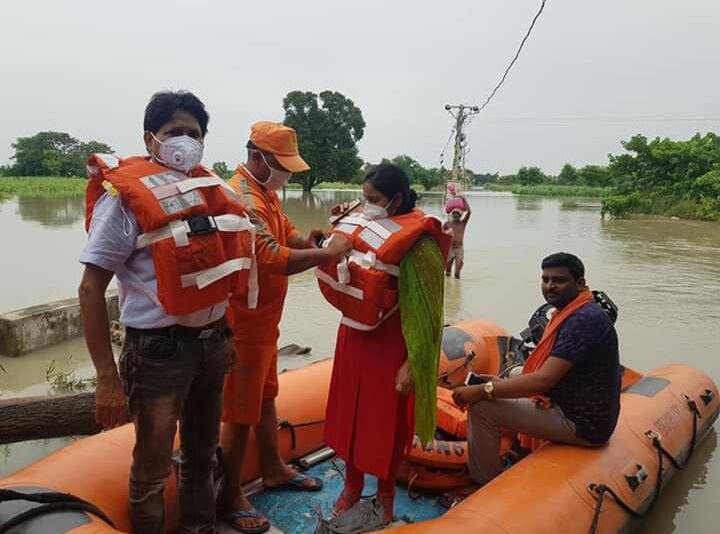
41 186
550 190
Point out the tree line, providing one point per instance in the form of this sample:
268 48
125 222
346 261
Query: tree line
329 126
660 176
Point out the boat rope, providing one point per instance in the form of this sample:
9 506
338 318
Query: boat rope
693 442
285 424
444 378
49 502
599 490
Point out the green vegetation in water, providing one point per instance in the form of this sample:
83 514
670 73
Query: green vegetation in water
41 186
666 177
66 382
327 185
551 190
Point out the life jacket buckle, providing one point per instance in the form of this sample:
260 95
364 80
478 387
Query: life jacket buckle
200 225
369 259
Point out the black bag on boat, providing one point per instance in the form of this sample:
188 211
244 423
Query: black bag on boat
367 515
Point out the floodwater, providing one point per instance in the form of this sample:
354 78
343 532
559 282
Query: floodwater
663 274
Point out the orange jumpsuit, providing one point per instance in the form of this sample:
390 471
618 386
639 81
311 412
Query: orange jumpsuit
253 378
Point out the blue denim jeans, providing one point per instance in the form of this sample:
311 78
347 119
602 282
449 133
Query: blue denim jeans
169 378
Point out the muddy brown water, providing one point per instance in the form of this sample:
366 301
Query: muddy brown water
664 275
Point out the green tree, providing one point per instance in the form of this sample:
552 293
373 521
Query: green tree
52 154
328 126
221 169
667 177
482 179
595 176
568 175
530 176
418 175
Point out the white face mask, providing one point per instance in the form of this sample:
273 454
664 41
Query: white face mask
373 212
182 153
277 178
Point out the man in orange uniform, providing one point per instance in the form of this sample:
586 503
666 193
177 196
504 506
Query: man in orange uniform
251 387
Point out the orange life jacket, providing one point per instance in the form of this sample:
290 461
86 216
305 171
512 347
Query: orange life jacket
364 285
200 236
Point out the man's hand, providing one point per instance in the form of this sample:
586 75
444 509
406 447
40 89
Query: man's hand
338 246
111 407
404 382
337 209
315 235
464 396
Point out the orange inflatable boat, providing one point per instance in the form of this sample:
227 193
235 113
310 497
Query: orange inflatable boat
664 414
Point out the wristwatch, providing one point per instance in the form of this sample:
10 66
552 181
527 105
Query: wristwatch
489 388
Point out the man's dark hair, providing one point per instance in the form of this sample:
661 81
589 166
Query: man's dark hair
164 104
565 259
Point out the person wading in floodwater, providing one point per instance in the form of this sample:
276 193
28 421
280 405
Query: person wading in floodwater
455 226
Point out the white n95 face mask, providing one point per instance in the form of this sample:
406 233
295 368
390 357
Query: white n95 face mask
182 153
373 212
277 178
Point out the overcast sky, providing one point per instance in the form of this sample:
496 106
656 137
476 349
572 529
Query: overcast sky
592 73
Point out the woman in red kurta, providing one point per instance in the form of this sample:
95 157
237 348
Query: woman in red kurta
370 411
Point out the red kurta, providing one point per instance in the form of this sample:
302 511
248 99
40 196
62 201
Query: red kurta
368 422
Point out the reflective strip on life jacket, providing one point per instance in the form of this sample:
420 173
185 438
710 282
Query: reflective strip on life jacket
380 227
357 325
206 277
337 286
180 229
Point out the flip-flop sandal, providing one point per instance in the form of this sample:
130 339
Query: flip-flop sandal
232 517
299 483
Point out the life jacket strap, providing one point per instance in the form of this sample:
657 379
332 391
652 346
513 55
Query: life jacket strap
369 260
182 228
204 278
357 325
337 286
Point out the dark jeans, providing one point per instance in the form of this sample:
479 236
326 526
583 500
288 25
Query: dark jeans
167 378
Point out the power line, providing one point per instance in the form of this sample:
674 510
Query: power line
447 143
682 118
517 55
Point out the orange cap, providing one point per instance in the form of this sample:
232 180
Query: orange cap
280 141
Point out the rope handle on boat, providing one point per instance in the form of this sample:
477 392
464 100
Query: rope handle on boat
50 502
285 424
444 378
599 490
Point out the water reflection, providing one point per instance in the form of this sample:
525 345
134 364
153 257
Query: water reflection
52 211
528 203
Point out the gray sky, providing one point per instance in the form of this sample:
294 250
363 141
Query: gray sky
89 67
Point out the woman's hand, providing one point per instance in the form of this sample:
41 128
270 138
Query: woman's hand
404 382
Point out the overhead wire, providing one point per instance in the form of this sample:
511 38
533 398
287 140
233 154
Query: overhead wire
515 58
447 143
629 119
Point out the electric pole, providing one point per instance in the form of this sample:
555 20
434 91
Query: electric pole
460 113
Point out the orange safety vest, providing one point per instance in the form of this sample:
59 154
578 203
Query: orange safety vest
364 285
200 236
